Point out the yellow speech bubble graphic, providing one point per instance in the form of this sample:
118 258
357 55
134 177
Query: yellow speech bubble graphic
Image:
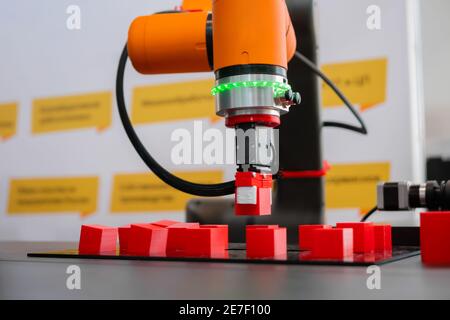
53 195
8 120
175 101
364 83
93 110
144 192
353 185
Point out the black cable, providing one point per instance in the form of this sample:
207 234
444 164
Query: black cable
368 214
203 190
362 129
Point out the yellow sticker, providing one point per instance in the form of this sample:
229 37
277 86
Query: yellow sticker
362 82
53 195
92 110
354 185
8 120
144 192
175 101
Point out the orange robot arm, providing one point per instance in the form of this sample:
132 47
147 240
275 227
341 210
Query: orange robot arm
251 32
248 44
169 43
240 32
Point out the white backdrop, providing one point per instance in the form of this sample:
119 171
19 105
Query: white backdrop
395 125
42 58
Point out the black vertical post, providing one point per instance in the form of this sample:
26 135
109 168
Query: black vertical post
300 201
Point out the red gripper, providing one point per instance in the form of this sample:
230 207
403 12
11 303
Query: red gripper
253 195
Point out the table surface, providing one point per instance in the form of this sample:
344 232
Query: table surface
43 278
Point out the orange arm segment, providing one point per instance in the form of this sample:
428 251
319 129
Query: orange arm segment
252 32
291 39
243 32
205 5
169 43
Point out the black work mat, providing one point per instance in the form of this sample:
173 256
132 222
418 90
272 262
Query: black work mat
237 254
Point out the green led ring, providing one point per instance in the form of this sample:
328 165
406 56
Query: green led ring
279 88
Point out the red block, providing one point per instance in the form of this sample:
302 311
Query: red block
305 235
266 241
165 223
206 241
435 238
185 225
253 195
363 236
124 237
225 232
258 226
332 243
383 238
96 239
177 238
147 240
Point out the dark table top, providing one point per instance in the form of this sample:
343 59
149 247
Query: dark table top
43 278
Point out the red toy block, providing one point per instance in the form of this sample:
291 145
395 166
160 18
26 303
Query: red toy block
124 237
383 238
206 241
177 238
257 226
147 240
164 223
305 235
332 243
253 195
96 239
225 232
363 235
266 241
435 238
185 225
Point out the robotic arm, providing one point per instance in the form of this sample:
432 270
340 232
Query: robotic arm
248 44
